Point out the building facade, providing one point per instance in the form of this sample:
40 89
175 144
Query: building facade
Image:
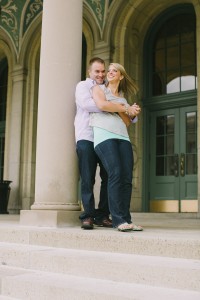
45 47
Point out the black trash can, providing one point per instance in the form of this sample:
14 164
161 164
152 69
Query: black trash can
4 195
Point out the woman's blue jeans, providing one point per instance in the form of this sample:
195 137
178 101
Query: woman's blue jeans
116 156
88 160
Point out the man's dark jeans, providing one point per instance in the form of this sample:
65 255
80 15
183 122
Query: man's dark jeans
117 158
88 161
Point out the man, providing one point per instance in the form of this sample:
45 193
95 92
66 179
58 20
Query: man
88 160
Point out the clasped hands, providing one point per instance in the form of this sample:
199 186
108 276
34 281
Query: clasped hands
133 110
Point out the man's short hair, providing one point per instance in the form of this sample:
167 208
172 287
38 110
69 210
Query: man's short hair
96 59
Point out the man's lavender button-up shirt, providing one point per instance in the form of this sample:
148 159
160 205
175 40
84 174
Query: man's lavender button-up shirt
84 105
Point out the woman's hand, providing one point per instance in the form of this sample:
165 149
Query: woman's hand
134 110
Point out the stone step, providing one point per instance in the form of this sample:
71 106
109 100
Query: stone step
149 242
2 297
151 270
32 285
4 272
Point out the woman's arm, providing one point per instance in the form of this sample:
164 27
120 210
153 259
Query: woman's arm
124 110
104 105
125 118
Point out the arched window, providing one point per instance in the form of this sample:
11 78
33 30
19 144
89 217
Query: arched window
174 55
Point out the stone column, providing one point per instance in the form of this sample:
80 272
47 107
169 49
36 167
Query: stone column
14 137
56 199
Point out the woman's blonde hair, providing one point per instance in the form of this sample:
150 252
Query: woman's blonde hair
127 86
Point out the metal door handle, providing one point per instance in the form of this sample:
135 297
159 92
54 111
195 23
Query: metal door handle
182 164
176 165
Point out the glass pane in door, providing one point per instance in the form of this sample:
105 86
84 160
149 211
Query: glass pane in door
191 143
165 126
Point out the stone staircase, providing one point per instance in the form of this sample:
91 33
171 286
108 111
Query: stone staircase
162 262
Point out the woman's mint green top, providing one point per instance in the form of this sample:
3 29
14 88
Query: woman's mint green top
108 125
101 135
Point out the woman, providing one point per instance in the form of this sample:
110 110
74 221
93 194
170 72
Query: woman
112 144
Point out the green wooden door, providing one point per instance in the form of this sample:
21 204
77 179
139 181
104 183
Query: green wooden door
173 160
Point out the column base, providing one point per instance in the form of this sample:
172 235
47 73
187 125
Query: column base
49 218
56 206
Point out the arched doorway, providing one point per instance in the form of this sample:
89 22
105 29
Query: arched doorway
171 112
3 102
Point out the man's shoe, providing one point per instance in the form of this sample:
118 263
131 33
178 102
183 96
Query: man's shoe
87 223
106 222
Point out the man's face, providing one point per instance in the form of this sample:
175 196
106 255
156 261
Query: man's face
97 72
